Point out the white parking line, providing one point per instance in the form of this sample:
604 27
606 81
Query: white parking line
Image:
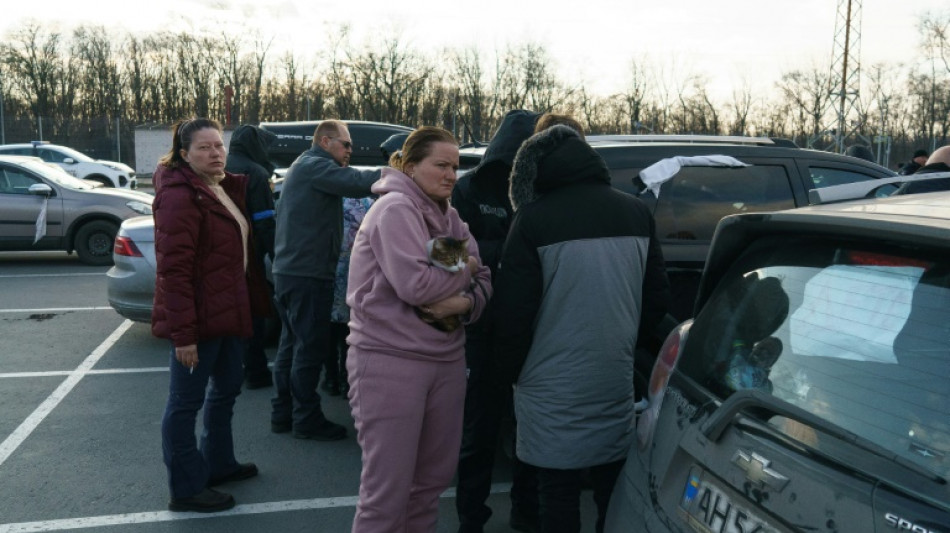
106 371
8 446
168 516
73 275
55 310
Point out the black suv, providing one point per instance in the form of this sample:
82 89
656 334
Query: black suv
294 138
691 203
812 390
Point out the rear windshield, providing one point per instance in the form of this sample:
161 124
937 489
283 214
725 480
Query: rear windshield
858 335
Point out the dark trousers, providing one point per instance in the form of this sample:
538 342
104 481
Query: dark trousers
190 464
486 405
304 307
335 364
560 496
255 359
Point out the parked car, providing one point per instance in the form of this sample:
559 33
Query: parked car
130 283
690 204
294 138
78 164
78 216
811 392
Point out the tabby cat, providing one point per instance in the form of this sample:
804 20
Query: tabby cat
449 254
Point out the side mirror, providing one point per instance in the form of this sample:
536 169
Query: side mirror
69 161
41 189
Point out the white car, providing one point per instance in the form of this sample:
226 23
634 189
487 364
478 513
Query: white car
108 173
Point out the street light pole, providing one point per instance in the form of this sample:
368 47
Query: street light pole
3 134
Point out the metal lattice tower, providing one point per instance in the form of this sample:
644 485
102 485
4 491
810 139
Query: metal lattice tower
846 72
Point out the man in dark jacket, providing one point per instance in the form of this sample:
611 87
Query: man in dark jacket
481 199
581 271
247 154
916 162
939 161
306 253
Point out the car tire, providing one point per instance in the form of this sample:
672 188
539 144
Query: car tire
95 241
106 182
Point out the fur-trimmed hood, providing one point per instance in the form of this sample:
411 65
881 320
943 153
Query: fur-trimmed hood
551 159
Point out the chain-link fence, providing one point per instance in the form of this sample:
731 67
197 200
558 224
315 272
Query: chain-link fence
99 138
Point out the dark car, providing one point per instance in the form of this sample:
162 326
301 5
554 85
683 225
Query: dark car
692 202
294 138
811 392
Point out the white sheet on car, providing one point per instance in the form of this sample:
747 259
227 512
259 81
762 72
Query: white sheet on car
663 170
41 222
854 312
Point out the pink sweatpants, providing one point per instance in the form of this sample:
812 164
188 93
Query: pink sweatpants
408 415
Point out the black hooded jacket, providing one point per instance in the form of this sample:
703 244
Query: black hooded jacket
481 196
247 154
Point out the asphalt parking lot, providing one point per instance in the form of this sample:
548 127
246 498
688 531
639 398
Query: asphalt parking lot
83 391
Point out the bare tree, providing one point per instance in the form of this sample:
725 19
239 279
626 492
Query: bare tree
468 75
741 107
807 94
32 57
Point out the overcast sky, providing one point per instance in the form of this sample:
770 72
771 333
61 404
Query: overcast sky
731 42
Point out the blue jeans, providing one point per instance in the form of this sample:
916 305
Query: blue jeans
191 465
304 306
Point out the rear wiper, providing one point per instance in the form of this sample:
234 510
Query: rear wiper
760 403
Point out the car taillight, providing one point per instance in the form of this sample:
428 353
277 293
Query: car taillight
885 260
125 246
659 377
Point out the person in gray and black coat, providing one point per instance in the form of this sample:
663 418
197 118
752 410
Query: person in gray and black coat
247 154
580 273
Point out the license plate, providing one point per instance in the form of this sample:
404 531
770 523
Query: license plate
711 509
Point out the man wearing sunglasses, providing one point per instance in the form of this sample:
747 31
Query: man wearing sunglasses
306 251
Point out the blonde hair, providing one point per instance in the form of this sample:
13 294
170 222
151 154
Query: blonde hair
418 146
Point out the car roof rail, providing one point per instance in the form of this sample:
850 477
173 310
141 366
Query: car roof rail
38 143
784 143
692 139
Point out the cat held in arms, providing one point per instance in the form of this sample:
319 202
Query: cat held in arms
448 254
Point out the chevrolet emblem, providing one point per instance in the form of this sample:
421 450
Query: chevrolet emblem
757 470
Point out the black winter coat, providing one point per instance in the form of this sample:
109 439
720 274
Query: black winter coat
247 154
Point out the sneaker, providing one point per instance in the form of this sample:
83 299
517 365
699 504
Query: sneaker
243 471
326 431
206 501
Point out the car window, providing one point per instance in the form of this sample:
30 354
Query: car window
56 175
16 151
858 335
826 177
692 203
50 156
15 181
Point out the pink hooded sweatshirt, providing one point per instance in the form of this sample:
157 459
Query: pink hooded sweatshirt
390 274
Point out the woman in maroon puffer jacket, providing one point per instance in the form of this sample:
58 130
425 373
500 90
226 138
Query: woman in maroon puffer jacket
205 289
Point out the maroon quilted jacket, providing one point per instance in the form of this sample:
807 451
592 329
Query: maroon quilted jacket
201 288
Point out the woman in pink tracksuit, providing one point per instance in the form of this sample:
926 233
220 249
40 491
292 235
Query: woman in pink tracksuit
407 378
